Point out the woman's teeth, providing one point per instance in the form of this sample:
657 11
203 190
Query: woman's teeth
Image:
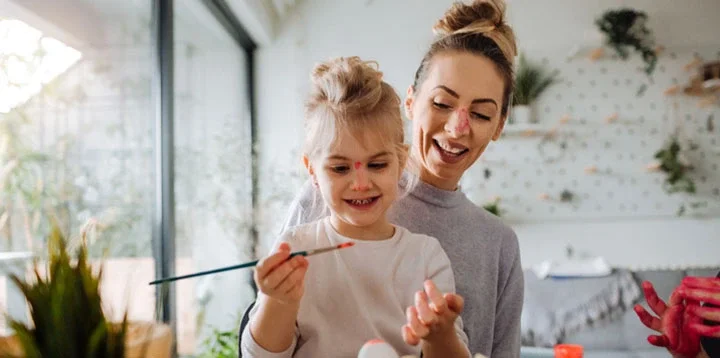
449 149
361 202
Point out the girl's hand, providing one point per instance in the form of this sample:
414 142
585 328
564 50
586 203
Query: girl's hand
432 318
281 279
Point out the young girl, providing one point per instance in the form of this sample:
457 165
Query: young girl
392 284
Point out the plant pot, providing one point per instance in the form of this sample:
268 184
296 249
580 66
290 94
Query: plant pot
522 114
144 340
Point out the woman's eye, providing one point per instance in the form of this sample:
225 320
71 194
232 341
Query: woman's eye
440 105
377 165
340 169
480 116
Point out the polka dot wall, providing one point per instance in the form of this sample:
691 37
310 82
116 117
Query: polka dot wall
597 131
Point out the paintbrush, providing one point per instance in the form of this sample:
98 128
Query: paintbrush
253 263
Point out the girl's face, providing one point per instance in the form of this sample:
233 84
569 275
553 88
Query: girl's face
358 177
456 112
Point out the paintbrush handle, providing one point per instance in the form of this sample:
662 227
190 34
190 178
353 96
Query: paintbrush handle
248 264
218 270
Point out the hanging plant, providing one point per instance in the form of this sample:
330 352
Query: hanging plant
675 167
625 28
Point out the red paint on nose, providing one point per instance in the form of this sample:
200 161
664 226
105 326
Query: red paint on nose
358 165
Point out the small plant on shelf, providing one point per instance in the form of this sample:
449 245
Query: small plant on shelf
625 28
531 81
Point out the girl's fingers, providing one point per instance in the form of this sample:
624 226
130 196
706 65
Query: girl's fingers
419 330
294 279
647 319
455 302
409 337
426 315
267 264
437 301
280 273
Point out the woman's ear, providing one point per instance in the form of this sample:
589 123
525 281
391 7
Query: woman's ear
403 154
409 98
499 129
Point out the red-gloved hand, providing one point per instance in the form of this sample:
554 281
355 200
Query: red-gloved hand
673 322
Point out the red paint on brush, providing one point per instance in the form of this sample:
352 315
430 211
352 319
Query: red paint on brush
346 244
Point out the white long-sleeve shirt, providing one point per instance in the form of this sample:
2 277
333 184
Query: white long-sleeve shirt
360 293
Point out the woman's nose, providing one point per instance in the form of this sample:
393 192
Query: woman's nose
459 123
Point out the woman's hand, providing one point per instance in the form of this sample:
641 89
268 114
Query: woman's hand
673 322
281 279
707 290
432 318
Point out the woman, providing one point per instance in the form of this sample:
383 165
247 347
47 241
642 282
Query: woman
687 329
458 103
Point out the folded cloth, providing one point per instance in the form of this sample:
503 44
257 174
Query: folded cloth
554 309
573 267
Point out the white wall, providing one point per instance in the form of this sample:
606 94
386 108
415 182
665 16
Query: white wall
396 33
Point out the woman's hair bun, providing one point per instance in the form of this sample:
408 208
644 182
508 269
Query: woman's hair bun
479 17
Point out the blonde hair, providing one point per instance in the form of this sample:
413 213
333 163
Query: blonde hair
478 28
349 94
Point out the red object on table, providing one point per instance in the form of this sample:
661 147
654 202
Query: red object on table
568 351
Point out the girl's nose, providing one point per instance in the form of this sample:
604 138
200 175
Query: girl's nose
360 182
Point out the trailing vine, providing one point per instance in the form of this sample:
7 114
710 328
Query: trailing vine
625 28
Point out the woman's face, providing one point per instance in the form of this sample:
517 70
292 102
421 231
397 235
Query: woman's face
455 113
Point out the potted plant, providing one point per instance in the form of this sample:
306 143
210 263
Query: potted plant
625 28
67 314
531 80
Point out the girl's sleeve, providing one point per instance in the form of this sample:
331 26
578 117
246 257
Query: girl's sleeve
251 349
440 272
248 345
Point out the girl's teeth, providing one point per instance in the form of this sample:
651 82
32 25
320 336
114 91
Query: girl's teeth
361 202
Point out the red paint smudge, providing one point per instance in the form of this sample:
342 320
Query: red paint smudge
358 165
345 244
464 122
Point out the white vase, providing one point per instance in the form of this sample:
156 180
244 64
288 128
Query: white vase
522 114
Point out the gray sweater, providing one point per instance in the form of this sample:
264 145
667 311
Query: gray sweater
483 251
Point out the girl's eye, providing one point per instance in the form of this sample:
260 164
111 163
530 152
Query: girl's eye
440 105
340 169
379 165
